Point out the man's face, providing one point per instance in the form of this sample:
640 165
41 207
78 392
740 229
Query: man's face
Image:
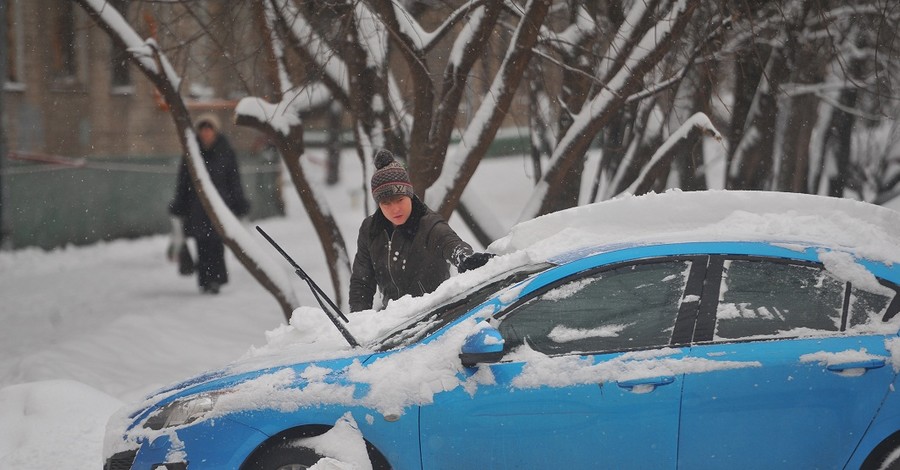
207 136
396 209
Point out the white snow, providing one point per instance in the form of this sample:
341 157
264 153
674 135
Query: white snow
845 268
542 370
343 447
675 216
562 334
844 357
89 331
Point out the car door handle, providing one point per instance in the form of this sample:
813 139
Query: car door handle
646 385
866 364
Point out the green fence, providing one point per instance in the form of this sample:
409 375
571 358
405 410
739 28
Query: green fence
52 204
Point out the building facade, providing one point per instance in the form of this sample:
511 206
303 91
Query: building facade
85 132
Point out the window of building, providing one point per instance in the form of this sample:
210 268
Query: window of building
119 66
14 46
63 48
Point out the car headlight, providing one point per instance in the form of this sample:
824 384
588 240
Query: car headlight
183 411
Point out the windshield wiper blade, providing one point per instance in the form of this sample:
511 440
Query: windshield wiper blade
328 305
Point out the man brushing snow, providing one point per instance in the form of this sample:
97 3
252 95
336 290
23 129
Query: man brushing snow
404 247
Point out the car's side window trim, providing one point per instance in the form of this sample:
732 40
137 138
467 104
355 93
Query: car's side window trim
688 312
685 320
704 328
894 307
845 306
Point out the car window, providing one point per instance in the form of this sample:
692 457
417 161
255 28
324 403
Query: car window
629 307
760 298
866 308
455 307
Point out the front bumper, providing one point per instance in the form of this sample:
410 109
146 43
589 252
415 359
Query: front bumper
126 461
216 444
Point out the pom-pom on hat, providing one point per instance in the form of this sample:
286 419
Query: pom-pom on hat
390 178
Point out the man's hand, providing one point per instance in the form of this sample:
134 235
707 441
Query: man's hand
475 261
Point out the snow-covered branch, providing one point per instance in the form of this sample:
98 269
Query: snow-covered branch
627 78
284 115
698 124
143 52
415 36
333 67
459 167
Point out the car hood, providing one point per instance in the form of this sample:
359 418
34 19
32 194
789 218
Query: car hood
328 370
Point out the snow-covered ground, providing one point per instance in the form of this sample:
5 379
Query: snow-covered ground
86 330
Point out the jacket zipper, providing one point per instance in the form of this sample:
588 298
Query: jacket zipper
390 255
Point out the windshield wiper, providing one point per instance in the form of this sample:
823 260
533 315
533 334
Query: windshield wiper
332 310
431 322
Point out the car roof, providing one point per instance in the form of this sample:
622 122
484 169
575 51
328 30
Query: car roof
795 250
696 247
866 230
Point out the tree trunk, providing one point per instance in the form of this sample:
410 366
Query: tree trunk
692 159
614 146
540 134
291 148
576 88
748 73
807 69
753 156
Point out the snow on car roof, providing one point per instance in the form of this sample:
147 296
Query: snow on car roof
867 230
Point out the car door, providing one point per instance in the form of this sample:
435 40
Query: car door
576 389
820 376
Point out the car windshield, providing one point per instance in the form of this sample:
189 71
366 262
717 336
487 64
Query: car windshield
426 324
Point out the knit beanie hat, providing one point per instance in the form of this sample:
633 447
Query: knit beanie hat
390 178
210 120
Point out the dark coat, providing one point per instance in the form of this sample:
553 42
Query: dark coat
221 163
413 258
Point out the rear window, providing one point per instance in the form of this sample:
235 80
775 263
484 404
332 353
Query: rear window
767 299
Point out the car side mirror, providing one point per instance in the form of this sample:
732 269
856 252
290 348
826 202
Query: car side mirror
486 345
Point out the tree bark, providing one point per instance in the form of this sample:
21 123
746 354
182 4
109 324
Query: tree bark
807 69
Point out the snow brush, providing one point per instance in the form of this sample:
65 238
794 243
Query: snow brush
332 310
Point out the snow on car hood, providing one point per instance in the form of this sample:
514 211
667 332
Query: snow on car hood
675 216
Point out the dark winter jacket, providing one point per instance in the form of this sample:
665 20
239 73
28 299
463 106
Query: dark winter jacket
413 258
221 163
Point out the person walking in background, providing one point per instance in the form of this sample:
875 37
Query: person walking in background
221 163
404 248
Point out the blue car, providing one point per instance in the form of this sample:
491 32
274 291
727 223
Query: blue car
708 354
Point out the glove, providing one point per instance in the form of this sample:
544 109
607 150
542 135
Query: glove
474 261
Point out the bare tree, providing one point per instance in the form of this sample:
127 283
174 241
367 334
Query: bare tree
647 33
793 84
146 55
806 66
